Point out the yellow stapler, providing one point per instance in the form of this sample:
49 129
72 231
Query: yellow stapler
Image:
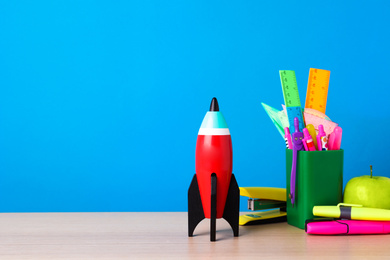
269 202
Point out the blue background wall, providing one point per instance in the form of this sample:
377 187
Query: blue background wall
101 101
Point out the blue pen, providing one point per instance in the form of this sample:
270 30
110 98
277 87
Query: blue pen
297 146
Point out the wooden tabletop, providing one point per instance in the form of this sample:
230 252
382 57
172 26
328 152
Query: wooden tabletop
164 236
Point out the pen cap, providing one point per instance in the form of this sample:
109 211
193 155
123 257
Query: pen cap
286 131
326 211
306 134
338 132
326 228
331 141
386 227
321 131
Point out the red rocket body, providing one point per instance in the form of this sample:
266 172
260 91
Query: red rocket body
214 155
214 192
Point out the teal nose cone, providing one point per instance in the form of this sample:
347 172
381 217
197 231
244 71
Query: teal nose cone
214 118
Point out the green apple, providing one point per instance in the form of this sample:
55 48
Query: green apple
369 191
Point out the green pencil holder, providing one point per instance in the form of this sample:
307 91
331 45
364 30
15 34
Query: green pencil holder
319 181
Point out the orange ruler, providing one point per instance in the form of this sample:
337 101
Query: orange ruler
317 89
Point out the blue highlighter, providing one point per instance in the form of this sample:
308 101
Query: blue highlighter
297 146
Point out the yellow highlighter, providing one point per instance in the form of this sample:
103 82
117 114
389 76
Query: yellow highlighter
313 134
352 211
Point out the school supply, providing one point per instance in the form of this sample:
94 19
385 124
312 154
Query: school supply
262 199
291 98
346 227
305 138
295 112
319 181
274 116
351 211
313 134
313 178
297 146
316 118
308 141
336 141
287 138
268 193
317 89
283 117
263 217
322 140
316 113
331 141
335 137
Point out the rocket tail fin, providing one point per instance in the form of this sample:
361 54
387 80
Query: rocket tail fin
213 211
195 209
231 212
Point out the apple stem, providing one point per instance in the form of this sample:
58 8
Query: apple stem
371 170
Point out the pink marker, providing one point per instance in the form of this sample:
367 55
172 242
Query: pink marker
346 227
287 138
322 141
308 141
304 140
331 141
338 132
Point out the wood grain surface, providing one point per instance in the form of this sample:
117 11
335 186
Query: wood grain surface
164 236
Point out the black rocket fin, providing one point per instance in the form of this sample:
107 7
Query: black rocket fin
231 212
195 209
213 212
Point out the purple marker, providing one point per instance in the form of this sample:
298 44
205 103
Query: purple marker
297 146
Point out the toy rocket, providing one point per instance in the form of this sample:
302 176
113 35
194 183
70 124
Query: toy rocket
214 191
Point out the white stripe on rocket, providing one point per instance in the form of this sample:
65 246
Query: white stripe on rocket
214 131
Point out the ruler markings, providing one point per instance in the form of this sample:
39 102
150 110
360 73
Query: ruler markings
317 89
291 98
